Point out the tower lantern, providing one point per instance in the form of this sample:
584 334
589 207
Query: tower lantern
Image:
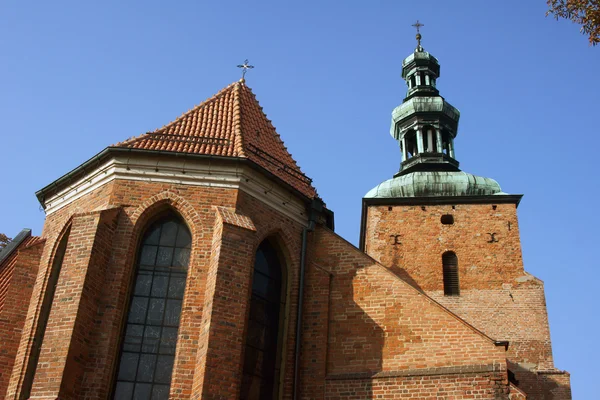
425 124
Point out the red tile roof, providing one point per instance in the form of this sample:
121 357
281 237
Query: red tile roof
231 123
7 266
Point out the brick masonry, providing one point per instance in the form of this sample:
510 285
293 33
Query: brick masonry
17 274
385 339
370 329
82 340
497 295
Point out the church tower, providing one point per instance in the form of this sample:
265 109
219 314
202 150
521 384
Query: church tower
454 235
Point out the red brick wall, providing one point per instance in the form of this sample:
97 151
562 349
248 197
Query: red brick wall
72 321
82 343
18 277
379 326
139 201
460 385
224 313
482 265
363 326
54 227
497 296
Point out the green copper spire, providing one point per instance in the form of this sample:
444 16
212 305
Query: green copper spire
425 124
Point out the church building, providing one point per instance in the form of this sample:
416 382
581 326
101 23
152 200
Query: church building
197 261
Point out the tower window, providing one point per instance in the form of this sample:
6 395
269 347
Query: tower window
450 268
445 143
262 356
411 143
447 219
148 351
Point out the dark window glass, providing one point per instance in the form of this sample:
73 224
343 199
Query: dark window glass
445 143
447 219
450 265
151 333
261 363
411 143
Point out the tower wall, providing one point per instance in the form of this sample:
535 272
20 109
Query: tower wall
496 296
422 239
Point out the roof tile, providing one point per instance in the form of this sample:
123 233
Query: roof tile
232 124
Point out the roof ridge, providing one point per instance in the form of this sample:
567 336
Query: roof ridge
177 120
237 120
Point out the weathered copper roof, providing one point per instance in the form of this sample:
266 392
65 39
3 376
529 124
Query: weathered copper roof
435 184
231 123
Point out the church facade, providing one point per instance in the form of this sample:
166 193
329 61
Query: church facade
198 262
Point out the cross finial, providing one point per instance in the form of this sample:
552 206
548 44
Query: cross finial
418 25
245 67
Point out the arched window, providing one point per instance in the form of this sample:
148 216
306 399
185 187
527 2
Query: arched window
262 355
150 337
45 308
450 265
411 143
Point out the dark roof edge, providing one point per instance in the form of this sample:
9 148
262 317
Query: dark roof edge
14 244
95 161
435 200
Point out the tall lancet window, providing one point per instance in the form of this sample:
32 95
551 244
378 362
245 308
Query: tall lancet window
262 356
450 265
150 337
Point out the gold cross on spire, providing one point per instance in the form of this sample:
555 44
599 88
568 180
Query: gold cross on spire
418 25
245 67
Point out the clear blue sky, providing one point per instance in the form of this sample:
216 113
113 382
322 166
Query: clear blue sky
76 77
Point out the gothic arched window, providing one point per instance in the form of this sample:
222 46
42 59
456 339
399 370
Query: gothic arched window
150 337
262 355
450 265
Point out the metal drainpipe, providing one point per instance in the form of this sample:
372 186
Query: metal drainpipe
309 228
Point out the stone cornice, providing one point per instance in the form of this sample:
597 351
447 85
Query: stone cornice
211 172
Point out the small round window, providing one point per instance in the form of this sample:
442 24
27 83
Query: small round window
447 219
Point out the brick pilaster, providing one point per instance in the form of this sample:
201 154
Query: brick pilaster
65 348
219 363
